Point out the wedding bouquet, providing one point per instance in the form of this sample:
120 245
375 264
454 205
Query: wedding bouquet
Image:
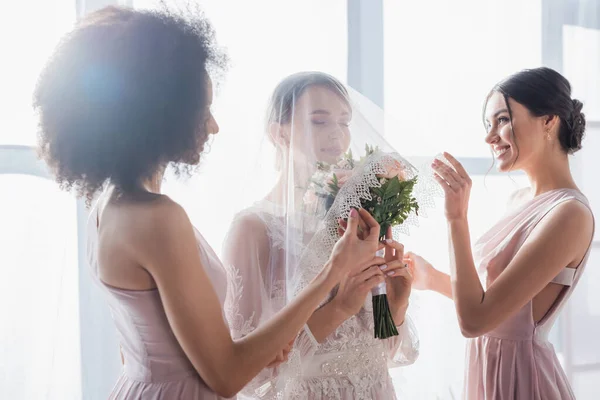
389 199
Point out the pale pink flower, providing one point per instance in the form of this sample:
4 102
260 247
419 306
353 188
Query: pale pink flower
342 176
395 169
310 198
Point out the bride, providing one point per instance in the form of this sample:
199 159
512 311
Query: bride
312 120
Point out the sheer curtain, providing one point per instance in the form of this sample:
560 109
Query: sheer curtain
39 338
441 59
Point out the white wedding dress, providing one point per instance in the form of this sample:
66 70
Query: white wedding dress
349 364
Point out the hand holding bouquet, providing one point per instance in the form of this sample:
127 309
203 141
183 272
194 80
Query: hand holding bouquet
389 198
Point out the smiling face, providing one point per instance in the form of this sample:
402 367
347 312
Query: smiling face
516 137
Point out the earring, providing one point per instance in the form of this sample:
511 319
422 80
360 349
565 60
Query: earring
548 137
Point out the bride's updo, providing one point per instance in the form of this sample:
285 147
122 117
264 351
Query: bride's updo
546 92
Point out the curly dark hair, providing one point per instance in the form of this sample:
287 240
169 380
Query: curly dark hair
123 95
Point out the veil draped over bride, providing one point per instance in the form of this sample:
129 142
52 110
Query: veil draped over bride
276 245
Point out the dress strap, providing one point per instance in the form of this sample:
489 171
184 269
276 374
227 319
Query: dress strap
566 277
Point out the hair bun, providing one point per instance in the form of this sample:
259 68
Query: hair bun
576 125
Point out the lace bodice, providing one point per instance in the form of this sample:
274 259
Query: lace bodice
349 364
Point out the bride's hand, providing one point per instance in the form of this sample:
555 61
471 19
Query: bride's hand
456 184
422 270
399 278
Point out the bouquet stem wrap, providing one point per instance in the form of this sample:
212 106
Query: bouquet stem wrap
385 327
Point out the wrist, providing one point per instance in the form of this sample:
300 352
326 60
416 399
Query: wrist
435 279
399 313
439 282
459 219
338 311
332 273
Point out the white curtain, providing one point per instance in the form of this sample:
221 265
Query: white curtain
39 334
39 339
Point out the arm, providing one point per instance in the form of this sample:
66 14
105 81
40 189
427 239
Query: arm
326 320
559 240
251 296
426 277
349 299
168 250
441 283
351 294
403 349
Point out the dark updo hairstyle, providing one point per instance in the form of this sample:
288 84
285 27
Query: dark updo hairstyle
544 91
123 95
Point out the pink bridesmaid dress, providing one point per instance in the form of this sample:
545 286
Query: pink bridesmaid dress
516 361
156 368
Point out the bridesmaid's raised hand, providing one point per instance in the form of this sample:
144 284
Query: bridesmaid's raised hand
456 183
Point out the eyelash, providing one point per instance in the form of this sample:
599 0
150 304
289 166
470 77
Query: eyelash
346 124
500 121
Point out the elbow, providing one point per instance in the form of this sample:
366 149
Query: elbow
226 387
411 357
469 332
223 380
472 325
472 329
227 392
474 321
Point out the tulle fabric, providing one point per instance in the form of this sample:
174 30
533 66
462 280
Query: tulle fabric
282 239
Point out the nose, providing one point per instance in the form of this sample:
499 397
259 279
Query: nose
491 137
212 126
336 133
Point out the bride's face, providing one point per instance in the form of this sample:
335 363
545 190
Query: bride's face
319 130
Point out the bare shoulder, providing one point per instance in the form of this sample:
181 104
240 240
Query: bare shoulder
248 236
162 220
571 223
248 221
149 226
574 213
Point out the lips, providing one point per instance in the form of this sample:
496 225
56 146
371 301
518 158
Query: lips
332 150
500 151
